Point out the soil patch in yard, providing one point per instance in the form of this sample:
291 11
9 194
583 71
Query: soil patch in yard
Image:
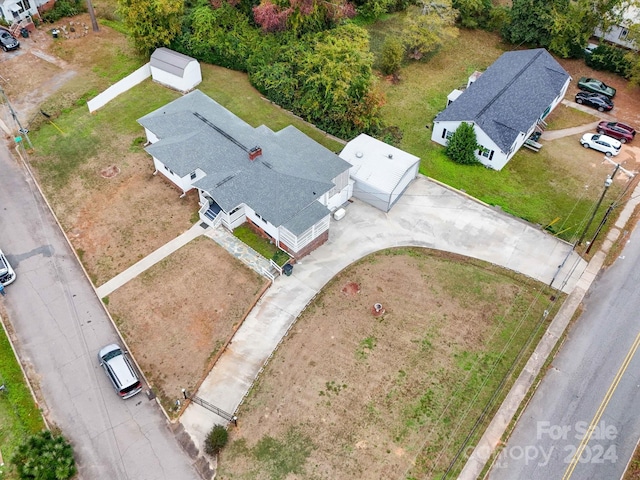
178 314
351 395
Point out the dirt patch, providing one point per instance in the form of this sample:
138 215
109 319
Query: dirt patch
110 171
351 289
348 395
177 315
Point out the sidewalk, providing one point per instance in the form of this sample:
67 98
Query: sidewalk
498 426
150 260
428 215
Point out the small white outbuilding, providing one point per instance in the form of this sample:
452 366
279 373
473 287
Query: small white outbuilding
381 172
175 70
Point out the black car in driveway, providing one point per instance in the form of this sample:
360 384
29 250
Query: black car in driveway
7 41
595 100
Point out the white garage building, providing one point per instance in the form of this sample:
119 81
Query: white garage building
175 70
380 171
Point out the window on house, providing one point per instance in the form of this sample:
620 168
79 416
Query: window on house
623 33
193 175
485 152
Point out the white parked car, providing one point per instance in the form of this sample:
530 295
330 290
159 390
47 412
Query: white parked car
7 275
602 143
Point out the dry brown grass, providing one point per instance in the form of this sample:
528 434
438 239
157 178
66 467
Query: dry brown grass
178 314
350 395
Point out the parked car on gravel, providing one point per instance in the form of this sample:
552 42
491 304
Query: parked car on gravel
607 145
595 100
7 275
618 130
596 86
8 41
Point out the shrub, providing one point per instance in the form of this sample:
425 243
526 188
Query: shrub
44 456
609 59
216 440
63 8
462 145
392 55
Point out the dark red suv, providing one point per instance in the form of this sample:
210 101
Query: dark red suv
617 130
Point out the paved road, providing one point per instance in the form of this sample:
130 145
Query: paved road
60 327
594 381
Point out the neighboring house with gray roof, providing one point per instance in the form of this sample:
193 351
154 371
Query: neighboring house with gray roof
506 104
284 183
175 70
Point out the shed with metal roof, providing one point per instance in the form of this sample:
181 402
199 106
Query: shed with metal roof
175 70
381 172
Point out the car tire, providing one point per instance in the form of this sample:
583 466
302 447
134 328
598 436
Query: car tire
579 100
601 109
4 48
600 131
585 145
623 140
608 154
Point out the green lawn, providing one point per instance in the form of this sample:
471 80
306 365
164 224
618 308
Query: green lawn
538 187
19 415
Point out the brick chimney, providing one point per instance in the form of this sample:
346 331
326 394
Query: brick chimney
254 153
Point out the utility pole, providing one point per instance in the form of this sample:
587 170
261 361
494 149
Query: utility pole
607 184
23 131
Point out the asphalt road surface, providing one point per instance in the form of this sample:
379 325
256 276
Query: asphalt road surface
583 421
60 326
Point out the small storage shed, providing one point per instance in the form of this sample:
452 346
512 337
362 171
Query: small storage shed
381 173
175 70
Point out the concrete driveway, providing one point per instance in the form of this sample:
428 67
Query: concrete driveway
428 215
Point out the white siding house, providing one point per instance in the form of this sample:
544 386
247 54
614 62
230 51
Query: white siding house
282 183
15 10
380 171
175 70
618 34
506 104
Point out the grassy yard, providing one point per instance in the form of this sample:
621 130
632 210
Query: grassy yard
19 416
538 187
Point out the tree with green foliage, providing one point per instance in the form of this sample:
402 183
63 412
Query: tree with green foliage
428 28
152 23
462 145
473 13
571 28
530 23
216 440
392 55
335 80
44 456
633 57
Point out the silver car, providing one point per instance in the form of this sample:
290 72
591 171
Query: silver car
7 275
119 370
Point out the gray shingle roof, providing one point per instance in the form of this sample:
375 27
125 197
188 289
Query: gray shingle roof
510 95
282 185
170 61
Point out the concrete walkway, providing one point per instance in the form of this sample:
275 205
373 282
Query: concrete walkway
492 437
428 215
150 260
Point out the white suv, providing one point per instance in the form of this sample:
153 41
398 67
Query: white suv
119 370
7 275
607 145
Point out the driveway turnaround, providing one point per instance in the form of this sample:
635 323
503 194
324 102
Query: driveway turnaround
428 215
